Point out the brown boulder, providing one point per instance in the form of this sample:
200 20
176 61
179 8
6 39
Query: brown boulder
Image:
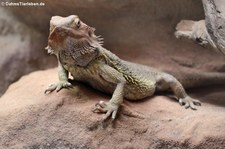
31 119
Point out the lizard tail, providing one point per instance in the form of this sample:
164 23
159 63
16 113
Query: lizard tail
190 80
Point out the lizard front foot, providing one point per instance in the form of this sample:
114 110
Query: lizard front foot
189 102
108 108
58 86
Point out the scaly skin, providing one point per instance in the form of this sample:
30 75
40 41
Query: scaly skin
79 52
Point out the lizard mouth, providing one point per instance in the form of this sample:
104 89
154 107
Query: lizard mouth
49 50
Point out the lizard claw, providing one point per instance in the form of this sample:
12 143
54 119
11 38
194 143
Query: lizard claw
109 108
58 86
189 102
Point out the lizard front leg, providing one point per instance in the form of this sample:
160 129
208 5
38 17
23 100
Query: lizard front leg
167 81
63 80
111 75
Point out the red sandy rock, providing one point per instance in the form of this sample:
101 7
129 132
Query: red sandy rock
31 119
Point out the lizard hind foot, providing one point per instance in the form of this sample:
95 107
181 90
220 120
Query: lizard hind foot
189 102
109 108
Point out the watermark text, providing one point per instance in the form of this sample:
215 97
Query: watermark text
22 4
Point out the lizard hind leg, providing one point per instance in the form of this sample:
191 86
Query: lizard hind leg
168 82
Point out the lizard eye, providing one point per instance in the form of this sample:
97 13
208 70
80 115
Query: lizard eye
78 23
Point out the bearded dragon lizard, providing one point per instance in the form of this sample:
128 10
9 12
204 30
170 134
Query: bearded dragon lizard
80 52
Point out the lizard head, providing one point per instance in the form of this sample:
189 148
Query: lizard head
64 30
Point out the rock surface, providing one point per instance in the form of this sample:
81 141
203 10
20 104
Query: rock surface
196 31
215 19
21 50
31 119
210 31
